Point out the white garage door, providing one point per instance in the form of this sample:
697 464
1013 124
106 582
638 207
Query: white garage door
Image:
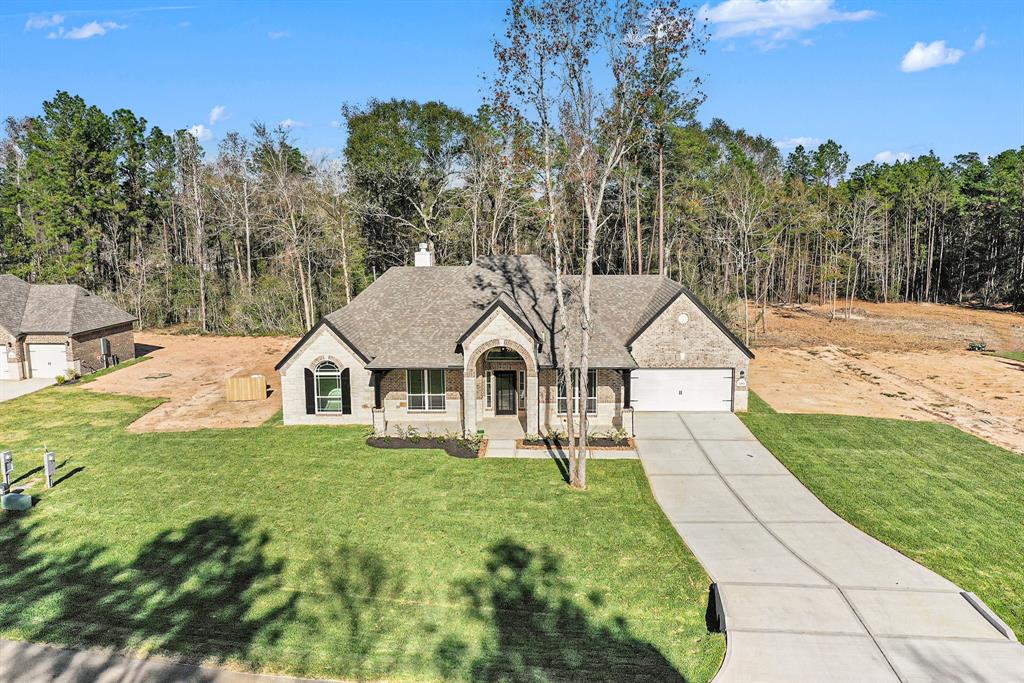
47 360
4 367
681 389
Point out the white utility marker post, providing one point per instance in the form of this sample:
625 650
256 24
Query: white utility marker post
7 466
50 467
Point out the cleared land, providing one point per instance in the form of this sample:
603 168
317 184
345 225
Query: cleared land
946 499
906 361
302 550
190 372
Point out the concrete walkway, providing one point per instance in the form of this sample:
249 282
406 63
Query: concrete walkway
10 388
804 595
31 663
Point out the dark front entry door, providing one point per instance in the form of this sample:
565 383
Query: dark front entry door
505 392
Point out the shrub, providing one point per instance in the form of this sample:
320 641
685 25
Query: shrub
618 435
60 379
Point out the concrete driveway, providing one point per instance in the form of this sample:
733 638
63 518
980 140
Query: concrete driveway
804 595
10 388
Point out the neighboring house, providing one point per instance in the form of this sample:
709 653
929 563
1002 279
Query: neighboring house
451 348
46 330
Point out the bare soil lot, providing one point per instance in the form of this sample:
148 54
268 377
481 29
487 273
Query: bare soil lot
191 371
905 361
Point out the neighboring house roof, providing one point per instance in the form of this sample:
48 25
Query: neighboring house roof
417 317
54 309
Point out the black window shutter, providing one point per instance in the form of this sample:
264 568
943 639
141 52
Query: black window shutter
346 393
310 393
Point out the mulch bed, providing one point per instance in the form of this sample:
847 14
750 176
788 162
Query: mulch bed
593 443
457 448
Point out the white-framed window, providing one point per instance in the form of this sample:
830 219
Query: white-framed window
522 388
425 389
591 391
327 380
488 389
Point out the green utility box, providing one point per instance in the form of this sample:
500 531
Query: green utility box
16 501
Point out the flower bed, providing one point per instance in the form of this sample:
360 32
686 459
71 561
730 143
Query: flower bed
457 448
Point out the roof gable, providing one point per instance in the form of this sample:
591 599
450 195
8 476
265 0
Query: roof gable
503 304
661 303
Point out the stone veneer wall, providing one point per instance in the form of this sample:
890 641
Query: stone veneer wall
12 348
697 343
325 345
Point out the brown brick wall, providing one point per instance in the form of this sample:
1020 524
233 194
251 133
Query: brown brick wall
86 348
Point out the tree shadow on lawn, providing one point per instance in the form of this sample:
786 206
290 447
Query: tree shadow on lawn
188 592
208 593
358 618
537 632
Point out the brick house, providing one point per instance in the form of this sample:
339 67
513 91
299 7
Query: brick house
458 348
47 330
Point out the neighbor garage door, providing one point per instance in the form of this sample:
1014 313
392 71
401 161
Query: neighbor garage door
681 389
47 360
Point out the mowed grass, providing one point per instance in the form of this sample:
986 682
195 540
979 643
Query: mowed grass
949 500
1011 355
302 550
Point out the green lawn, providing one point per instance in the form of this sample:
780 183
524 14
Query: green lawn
950 500
302 550
1012 355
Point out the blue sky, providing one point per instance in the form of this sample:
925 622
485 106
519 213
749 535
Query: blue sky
881 78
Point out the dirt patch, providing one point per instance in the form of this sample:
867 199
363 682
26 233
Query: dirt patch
892 327
191 371
903 361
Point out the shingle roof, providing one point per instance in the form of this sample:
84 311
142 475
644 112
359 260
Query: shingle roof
416 316
62 309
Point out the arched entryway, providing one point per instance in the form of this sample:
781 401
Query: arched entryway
502 376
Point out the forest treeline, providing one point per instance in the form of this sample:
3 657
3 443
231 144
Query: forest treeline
255 236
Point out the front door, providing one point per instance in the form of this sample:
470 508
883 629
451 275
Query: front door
505 392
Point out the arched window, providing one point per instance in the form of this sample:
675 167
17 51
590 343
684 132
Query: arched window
331 386
503 353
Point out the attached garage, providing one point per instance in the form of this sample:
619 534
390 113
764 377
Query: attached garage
681 389
48 360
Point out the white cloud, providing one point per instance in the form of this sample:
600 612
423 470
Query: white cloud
86 31
278 35
335 124
921 56
792 143
218 113
288 124
779 19
888 157
201 132
43 21
979 42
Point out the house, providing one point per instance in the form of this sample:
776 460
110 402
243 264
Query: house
457 348
47 330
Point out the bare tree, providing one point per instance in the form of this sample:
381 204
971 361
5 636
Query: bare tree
555 59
